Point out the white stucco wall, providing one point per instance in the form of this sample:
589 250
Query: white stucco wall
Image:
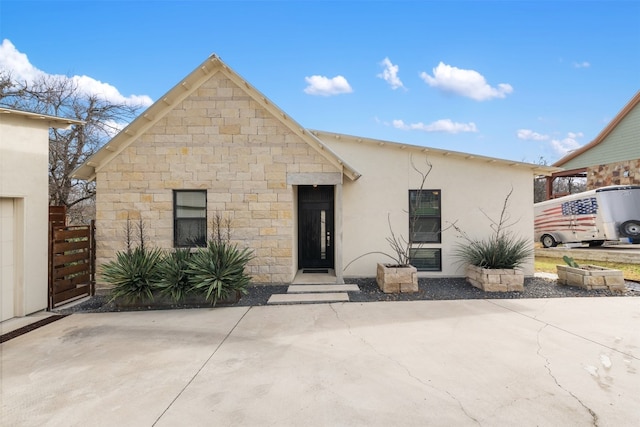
23 178
468 186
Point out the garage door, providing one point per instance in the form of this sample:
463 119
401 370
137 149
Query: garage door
7 245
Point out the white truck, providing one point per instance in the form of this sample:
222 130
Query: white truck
595 216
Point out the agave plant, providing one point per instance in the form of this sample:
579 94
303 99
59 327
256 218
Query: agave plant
134 274
504 251
218 270
174 280
500 250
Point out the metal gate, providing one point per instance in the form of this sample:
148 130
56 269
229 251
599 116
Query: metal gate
71 260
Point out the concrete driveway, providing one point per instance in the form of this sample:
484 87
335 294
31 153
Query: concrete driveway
544 362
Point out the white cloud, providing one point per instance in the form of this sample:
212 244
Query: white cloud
21 69
324 86
529 135
17 63
443 125
390 74
467 83
583 64
566 145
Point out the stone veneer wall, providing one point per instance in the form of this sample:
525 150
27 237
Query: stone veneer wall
496 280
221 140
621 173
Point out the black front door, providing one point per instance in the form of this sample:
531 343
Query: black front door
315 226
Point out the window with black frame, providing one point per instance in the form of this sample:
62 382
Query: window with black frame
424 216
425 225
426 259
189 218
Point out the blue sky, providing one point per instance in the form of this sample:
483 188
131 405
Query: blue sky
508 79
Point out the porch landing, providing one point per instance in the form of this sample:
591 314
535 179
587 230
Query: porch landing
314 287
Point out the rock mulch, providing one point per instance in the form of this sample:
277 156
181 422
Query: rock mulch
428 289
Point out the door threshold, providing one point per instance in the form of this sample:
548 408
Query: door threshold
313 277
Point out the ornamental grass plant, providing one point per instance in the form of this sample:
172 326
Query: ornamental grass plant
498 251
501 250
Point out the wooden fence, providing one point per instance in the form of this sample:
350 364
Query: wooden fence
71 262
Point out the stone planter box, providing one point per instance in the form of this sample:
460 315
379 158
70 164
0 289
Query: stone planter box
394 279
591 277
495 280
161 302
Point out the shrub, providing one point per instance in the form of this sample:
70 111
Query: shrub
504 251
134 273
501 250
174 280
218 270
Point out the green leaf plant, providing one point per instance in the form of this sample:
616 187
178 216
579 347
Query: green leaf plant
218 270
500 250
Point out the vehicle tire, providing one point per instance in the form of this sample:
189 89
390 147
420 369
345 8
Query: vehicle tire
548 241
630 228
595 243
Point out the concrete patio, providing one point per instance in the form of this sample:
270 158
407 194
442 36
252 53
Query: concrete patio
535 362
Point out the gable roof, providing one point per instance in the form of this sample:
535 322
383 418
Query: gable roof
177 94
534 168
52 121
604 133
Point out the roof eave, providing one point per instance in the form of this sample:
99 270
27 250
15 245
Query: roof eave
534 168
604 133
211 65
53 121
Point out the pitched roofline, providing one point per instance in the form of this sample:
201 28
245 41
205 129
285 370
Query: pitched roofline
54 121
179 92
534 168
604 133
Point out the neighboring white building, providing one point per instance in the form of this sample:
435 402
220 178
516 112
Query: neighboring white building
24 206
300 199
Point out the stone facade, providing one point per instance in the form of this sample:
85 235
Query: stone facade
219 139
495 280
621 173
591 277
393 279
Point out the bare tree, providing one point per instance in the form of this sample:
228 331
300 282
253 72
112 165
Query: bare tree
540 183
68 149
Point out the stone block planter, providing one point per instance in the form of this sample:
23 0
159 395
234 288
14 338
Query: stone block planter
495 280
394 279
161 302
591 277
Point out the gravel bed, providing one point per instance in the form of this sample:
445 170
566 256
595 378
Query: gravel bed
429 289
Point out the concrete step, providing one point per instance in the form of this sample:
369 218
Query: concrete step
308 298
294 289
